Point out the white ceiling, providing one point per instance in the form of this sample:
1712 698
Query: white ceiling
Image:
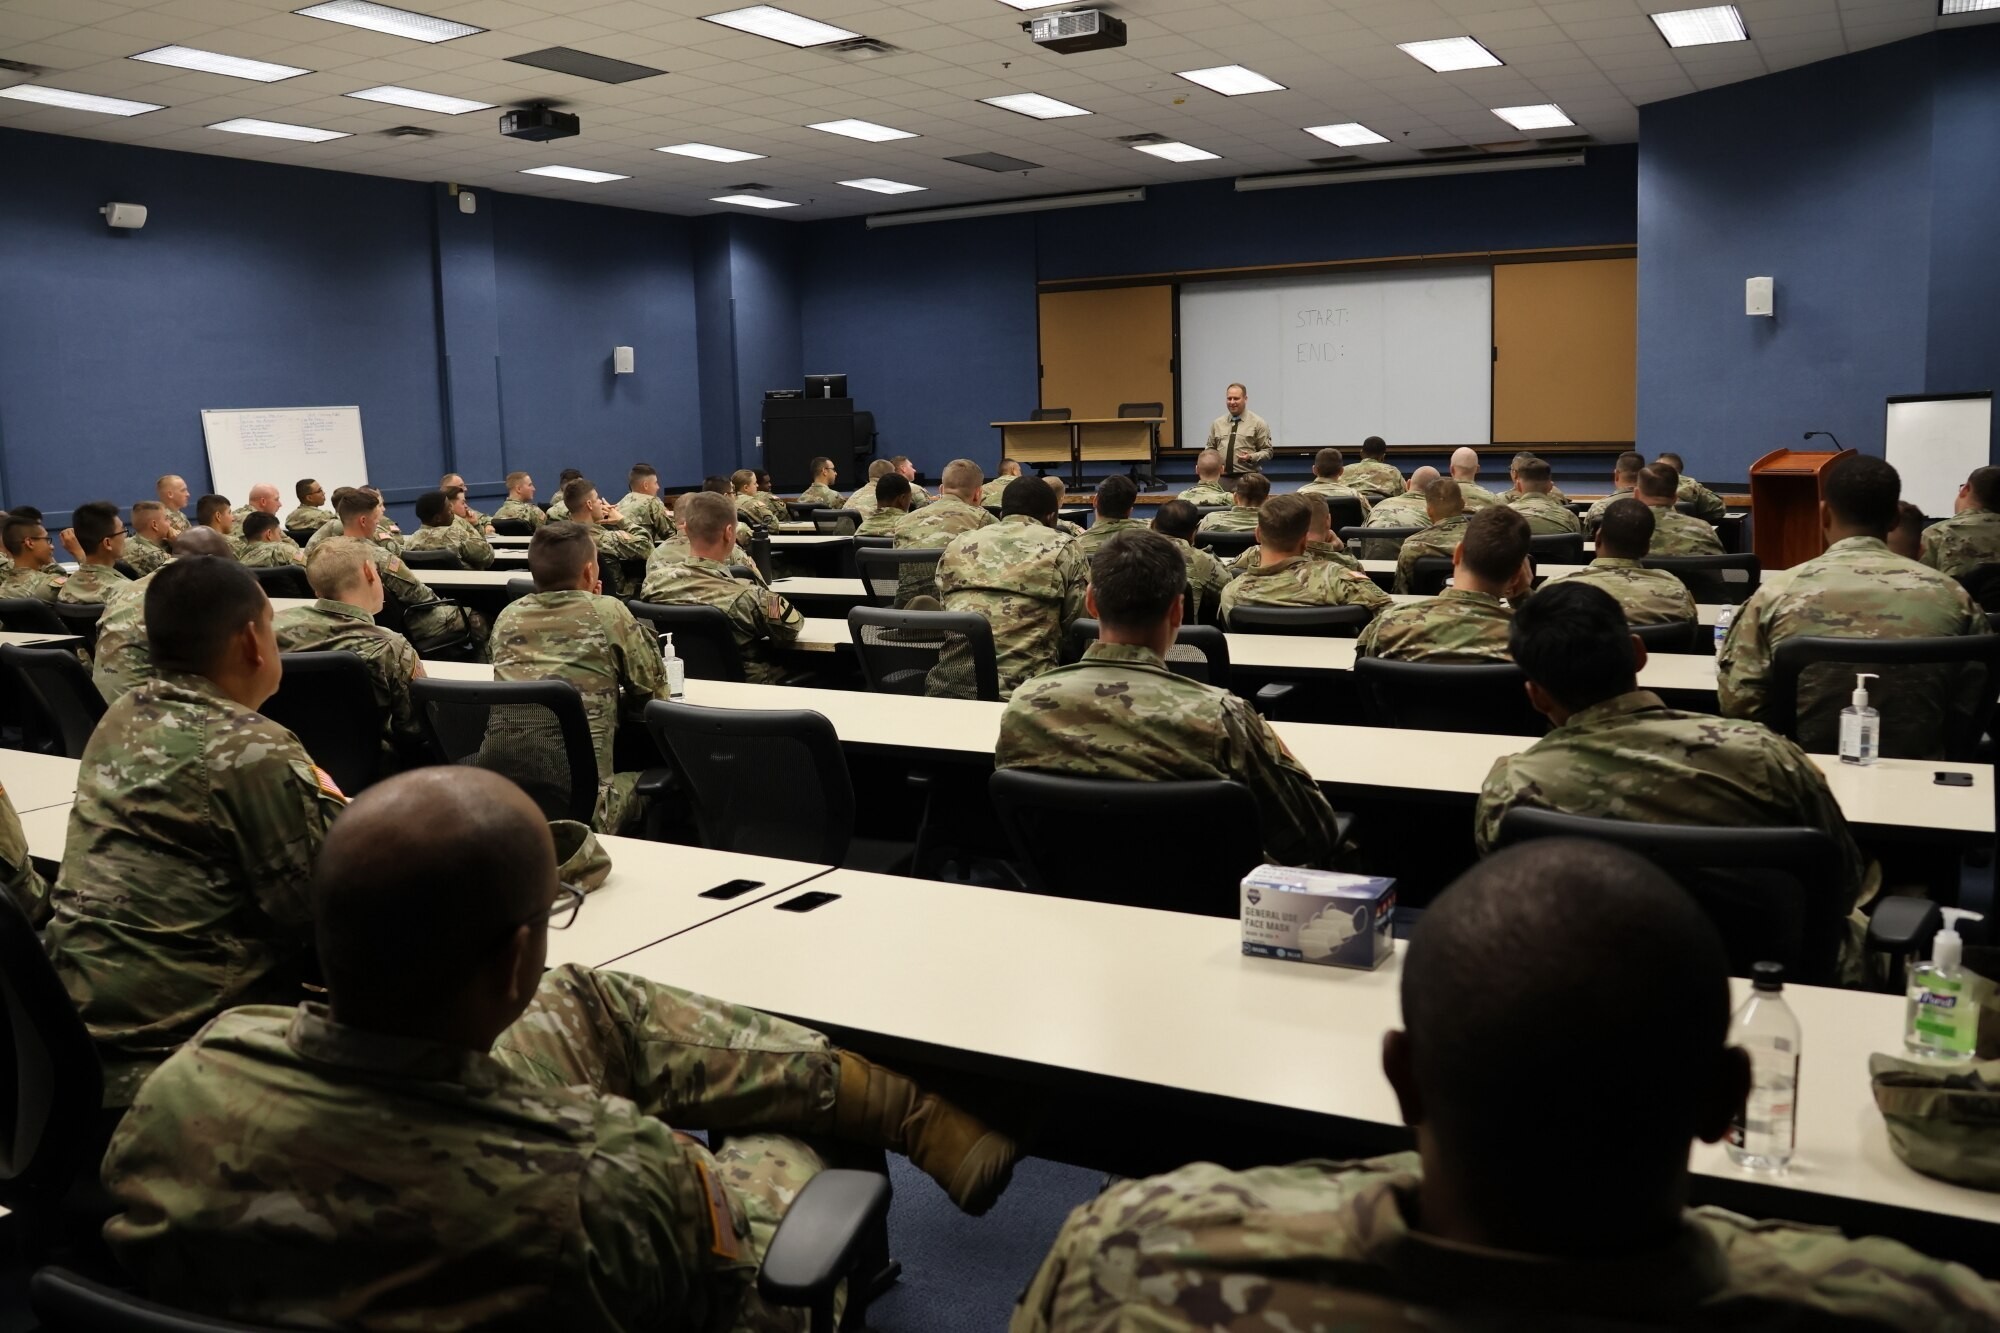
1600 59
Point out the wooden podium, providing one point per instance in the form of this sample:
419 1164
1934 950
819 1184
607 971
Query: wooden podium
1784 505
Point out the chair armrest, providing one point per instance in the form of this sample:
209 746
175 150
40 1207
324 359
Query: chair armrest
1902 925
822 1236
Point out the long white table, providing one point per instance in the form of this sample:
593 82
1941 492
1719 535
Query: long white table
1542 572
37 781
47 829
468 578
499 540
22 639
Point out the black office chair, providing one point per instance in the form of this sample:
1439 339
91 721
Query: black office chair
519 588
863 439
897 649
1936 695
1345 511
1199 652
128 571
1049 414
836 522
1198 875
513 527
1691 508
30 615
284 581
825 1236
300 536
1982 583
874 544
1429 574
896 575
1673 636
1712 578
80 618
1486 697
1556 548
433 559
1375 543
327 700
1142 409
703 638
1226 546
454 644
1330 622
62 706
534 732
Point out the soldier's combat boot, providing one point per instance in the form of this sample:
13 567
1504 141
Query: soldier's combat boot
884 1109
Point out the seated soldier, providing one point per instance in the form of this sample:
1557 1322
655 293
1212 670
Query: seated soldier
1624 486
863 498
1464 470
1374 476
1026 578
907 470
123 659
1286 576
457 1139
383 533
1330 479
1468 621
1177 520
642 506
1470 1231
1971 536
567 630
427 621
196 821
349 588
265 545
1322 543
213 511
1536 499
1674 533
675 549
1646 596
559 507
1252 489
96 538
1907 537
1120 713
821 492
1207 489
1444 506
955 510
753 507
1708 505
1513 494
440 529
1116 495
264 499
520 506
33 572
152 538
891 507
310 513
997 485
1407 509
1063 525
621 551
20 883
452 482
759 619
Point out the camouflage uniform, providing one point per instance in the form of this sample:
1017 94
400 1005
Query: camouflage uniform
1440 538
1207 577
1407 510
558 511
1102 531
183 885
1709 506
146 555
344 1178
1248 432
1633 758
90 585
310 516
1477 497
1070 529
621 558
881 522
20 882
1326 1246
329 626
863 500
648 514
42 585
458 537
1454 626
1377 479
824 497
760 510
933 526
123 658
1857 589
677 551
995 489
1299 581
521 511
1962 543
595 644
1595 514
426 621
1546 515
1647 596
1338 490
1028 580
384 537
178 521
1327 551
1553 492
1236 518
271 555
1205 493
1120 713
702 582
1675 533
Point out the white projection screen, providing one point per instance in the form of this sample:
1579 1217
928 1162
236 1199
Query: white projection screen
1405 354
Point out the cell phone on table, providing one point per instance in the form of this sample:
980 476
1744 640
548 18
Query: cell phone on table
1947 779
806 902
735 888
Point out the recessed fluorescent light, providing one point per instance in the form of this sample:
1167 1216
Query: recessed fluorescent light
751 201
1176 152
781 25
214 62
1036 105
709 152
1231 80
1349 134
1448 54
880 186
383 18
862 129
575 174
1701 27
422 101
1966 6
1546 116
1034 4
62 97
277 129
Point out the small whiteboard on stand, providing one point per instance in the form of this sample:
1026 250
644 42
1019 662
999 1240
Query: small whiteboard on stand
280 445
1934 441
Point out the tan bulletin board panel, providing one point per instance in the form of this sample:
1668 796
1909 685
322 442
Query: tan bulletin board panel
1109 346
1566 336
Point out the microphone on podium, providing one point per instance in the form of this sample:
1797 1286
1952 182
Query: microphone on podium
1829 435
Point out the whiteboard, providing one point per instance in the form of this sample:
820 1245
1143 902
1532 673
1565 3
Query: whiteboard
1935 443
280 445
1332 360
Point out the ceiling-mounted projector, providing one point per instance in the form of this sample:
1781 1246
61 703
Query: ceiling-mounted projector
539 124
1075 30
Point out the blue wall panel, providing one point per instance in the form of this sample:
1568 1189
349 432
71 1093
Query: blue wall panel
1963 344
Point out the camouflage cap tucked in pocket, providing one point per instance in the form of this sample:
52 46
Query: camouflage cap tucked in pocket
1944 1119
580 858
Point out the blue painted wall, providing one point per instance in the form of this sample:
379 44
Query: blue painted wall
1962 351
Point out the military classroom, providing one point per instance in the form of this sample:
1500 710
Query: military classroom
945 666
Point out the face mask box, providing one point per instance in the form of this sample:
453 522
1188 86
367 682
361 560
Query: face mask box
1318 916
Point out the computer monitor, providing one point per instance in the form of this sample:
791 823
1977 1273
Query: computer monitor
826 386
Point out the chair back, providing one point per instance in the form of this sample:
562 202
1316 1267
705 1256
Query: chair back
1712 578
769 781
895 575
453 643
127 570
1935 695
512 527
1345 511
81 618
519 588
327 700
1142 409
1486 697
703 638
50 1081
1429 574
1775 894
533 731
66 1302
1199 652
1983 585
1331 622
1556 548
1049 414
434 558
836 522
30 615
874 544
63 706
300 536
898 648
1674 636
284 581
1226 546
1198 875
1375 543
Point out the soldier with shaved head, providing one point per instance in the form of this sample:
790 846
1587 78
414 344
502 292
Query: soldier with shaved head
349 589
956 509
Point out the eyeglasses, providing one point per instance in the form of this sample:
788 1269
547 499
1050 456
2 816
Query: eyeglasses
569 901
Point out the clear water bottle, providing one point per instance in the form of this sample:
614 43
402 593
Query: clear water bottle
676 670
1764 1132
1723 619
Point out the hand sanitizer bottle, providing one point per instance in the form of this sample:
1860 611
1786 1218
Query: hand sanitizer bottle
1943 1021
1763 1133
676 669
1860 726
